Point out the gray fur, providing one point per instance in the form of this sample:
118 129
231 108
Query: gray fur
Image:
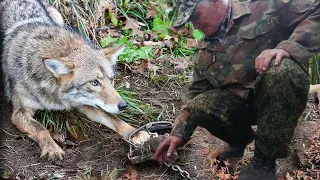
48 66
30 38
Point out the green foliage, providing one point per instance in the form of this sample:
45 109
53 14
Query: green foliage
137 108
122 41
47 121
134 10
133 53
113 19
198 34
108 40
104 42
182 50
161 27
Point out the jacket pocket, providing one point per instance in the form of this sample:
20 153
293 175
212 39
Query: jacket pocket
217 68
301 6
261 36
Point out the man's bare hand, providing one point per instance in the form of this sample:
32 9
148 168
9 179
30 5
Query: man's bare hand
263 60
166 149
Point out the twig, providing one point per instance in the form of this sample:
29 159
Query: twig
149 43
92 146
32 165
10 147
10 133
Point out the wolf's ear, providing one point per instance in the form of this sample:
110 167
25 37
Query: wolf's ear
112 53
58 67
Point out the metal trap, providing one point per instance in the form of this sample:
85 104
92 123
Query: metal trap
144 152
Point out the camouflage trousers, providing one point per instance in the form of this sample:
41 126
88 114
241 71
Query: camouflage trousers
279 98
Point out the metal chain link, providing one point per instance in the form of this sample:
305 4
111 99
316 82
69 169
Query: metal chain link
182 172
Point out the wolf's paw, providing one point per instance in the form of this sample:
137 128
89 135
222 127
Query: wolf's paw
55 15
141 137
53 151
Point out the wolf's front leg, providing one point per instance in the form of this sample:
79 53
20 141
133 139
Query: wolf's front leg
114 123
22 119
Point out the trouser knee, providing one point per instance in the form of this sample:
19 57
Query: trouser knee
286 80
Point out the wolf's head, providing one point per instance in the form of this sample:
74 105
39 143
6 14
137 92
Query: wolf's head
86 77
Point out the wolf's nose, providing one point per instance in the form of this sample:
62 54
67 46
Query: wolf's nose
122 106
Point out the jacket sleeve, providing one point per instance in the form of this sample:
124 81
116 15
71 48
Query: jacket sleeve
199 85
184 125
302 18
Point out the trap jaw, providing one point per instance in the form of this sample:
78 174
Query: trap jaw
144 152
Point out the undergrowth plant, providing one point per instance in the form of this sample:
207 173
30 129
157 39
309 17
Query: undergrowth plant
315 69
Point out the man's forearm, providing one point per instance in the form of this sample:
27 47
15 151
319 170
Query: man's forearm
183 125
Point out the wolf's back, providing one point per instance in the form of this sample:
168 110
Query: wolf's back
15 13
30 35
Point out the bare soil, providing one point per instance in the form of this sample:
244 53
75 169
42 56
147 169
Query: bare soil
103 153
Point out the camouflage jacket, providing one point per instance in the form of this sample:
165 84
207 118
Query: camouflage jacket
292 25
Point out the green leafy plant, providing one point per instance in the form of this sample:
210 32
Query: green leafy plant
198 34
160 26
104 42
133 53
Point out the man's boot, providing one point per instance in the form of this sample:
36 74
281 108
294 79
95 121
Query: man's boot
236 151
260 168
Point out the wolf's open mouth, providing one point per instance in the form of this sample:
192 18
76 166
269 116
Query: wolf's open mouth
99 107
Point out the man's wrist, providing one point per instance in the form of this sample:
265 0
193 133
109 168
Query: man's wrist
186 139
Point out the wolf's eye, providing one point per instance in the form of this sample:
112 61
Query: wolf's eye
95 83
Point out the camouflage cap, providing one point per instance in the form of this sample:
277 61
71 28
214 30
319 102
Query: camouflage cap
185 9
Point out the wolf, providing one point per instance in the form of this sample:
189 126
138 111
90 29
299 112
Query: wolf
48 66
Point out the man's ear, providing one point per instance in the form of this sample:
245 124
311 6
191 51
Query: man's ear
112 53
58 67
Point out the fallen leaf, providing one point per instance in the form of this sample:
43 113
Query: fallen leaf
134 25
212 154
288 177
152 67
152 35
143 66
300 173
180 32
225 176
101 8
169 43
191 43
152 12
156 51
131 174
146 65
113 33
180 63
168 37
306 178
56 135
